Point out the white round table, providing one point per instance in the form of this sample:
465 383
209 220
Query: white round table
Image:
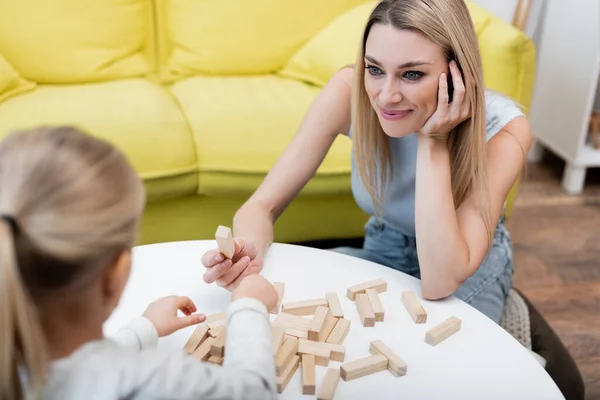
481 361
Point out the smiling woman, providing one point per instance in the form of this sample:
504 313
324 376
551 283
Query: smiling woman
435 155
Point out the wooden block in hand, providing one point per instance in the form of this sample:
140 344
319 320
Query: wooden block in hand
375 304
363 305
286 353
339 332
303 308
322 354
442 331
308 374
395 364
329 384
277 336
225 241
202 353
378 284
333 302
362 367
287 373
279 288
414 308
196 338
217 347
317 325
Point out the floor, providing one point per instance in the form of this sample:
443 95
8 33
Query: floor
556 241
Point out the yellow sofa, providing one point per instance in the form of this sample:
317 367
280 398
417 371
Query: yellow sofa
203 96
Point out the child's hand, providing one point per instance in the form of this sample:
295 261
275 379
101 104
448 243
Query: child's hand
163 314
257 287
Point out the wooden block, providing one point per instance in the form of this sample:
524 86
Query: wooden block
216 321
339 332
215 360
286 353
305 307
277 336
375 304
329 384
279 288
308 374
317 325
216 331
333 301
378 284
296 333
414 308
337 352
202 353
196 338
329 325
362 367
363 305
287 373
322 354
395 364
292 321
442 331
217 347
225 241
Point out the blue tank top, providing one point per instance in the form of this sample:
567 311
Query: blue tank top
399 197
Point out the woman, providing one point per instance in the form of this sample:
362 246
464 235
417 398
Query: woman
434 158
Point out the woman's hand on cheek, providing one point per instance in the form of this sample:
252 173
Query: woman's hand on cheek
447 116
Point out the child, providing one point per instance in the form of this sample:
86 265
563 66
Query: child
70 206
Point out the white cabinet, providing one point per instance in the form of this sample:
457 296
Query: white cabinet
568 67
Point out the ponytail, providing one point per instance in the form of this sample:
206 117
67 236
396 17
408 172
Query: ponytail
22 344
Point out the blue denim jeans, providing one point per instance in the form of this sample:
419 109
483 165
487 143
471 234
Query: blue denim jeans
486 290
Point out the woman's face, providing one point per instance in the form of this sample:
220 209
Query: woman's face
401 79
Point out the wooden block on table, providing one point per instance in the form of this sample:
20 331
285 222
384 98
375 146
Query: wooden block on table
216 331
333 302
277 336
317 325
287 373
362 367
329 384
414 308
442 331
279 288
196 338
322 354
215 360
216 321
339 332
202 353
286 353
308 374
296 333
375 304
378 284
217 347
396 365
304 307
292 321
330 323
335 352
225 241
363 305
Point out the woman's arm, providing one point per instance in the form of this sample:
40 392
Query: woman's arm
453 243
328 115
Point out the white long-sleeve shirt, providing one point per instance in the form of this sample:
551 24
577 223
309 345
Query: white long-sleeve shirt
128 366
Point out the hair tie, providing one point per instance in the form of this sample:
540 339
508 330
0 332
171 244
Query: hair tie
11 221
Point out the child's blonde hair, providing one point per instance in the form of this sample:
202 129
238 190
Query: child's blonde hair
69 205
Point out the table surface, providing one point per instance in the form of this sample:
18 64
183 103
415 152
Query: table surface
479 361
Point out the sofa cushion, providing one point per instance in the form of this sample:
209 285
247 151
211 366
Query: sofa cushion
241 37
11 83
241 126
138 117
67 41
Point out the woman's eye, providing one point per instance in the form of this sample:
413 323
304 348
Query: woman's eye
413 75
374 70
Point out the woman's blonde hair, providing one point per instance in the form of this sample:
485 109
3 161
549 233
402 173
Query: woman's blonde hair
448 24
69 204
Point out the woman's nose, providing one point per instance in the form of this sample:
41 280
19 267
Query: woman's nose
390 94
